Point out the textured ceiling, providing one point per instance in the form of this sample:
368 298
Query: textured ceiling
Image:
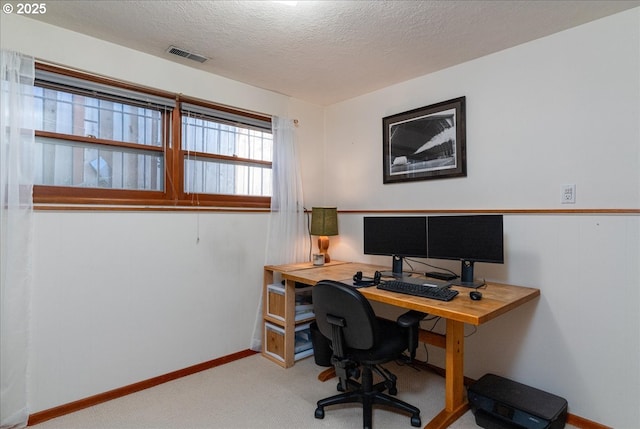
325 51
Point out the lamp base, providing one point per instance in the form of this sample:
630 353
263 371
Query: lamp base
323 246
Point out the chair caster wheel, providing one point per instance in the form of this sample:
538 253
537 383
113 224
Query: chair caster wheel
415 421
393 391
339 387
320 414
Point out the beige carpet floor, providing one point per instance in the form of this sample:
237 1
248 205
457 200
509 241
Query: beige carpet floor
256 393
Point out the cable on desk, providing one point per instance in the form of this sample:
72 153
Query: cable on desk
429 265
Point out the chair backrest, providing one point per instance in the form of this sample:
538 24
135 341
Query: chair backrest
343 301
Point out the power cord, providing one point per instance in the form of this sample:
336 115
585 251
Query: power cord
429 265
308 230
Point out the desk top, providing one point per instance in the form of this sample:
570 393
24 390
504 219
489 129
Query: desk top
497 298
286 268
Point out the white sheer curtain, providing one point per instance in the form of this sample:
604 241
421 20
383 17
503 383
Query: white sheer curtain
286 235
16 227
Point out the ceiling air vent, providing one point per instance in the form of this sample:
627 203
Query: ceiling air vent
186 54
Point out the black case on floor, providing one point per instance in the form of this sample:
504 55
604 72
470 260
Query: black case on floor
500 403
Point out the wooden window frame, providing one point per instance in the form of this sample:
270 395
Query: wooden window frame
214 199
173 193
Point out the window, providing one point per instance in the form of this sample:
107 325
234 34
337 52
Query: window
67 155
224 153
98 142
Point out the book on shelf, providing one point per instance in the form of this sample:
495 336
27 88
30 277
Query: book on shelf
302 343
303 308
302 347
304 335
304 315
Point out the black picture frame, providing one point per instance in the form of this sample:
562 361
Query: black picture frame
425 143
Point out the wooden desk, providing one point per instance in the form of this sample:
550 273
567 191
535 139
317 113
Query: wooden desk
497 299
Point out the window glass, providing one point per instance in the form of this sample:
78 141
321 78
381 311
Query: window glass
221 177
225 158
69 163
67 113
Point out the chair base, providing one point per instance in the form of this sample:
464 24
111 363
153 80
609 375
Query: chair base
369 395
388 383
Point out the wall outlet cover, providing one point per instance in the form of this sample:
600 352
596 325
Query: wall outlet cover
568 194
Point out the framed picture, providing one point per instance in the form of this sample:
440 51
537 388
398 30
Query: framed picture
425 143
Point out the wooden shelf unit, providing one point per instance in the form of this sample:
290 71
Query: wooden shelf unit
285 321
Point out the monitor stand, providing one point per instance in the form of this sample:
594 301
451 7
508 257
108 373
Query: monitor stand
396 269
466 276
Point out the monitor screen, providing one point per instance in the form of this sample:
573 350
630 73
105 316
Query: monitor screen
475 238
396 236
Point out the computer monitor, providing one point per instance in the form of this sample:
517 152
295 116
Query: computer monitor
396 236
470 239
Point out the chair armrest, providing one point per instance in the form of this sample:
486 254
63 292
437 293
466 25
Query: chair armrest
410 318
411 321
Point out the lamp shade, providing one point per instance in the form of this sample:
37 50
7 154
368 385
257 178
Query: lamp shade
324 221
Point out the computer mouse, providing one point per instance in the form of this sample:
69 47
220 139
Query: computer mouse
475 295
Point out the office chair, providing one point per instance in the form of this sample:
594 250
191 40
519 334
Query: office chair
360 341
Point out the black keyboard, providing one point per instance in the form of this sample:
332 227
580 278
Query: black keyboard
439 293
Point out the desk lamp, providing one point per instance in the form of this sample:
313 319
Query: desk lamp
324 222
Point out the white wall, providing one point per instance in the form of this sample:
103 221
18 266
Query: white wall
126 296
120 297
562 109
